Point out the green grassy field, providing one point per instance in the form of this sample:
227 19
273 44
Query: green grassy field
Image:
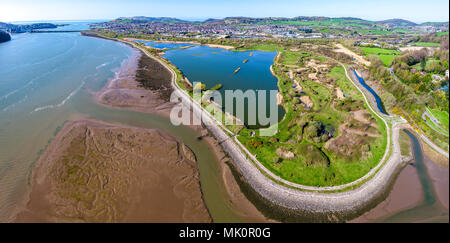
441 34
426 44
441 116
385 55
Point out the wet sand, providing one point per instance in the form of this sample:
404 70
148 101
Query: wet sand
123 91
98 172
436 157
408 191
440 178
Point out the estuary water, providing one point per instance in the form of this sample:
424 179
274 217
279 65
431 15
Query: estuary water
48 79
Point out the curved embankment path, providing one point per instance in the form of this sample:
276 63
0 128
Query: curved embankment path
288 197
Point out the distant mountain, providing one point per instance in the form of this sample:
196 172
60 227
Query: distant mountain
143 19
397 22
4 36
436 24
269 20
211 20
14 28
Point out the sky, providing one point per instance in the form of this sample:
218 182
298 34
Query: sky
32 10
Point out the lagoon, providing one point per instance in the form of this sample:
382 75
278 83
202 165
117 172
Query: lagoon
212 66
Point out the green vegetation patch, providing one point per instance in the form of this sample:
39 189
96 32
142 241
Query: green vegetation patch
441 116
386 55
426 44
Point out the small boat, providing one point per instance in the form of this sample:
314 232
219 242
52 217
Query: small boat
237 70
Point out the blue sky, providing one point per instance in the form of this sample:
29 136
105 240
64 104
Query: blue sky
414 10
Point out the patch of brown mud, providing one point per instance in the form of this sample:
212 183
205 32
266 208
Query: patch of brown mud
97 172
406 193
440 179
436 157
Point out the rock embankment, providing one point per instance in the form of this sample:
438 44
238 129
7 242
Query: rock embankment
4 37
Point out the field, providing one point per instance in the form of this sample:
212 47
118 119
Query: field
441 34
426 44
441 116
385 55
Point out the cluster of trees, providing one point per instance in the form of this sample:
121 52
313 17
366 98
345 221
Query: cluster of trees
415 68
413 57
412 91
314 131
404 95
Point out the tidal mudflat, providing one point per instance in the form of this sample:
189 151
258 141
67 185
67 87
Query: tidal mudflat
97 172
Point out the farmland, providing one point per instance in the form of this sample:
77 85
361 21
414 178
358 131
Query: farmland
386 55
